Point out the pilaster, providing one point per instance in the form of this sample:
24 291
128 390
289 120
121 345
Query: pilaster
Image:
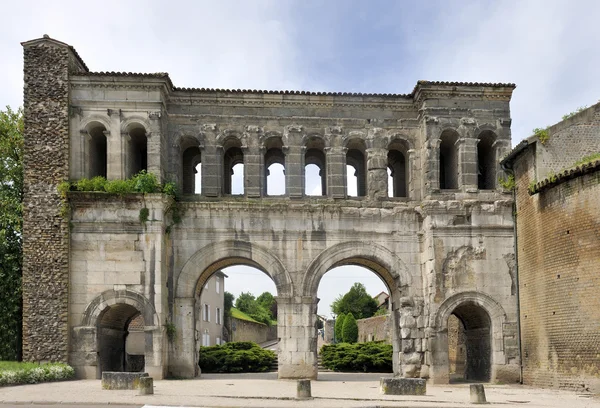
336 171
467 165
294 163
212 163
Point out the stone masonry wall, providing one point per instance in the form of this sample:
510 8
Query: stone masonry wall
375 329
558 234
45 231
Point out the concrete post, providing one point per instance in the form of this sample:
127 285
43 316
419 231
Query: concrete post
298 337
477 394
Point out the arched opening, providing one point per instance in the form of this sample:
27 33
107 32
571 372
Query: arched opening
315 175
138 150
448 160
236 303
135 345
397 169
191 171
233 167
486 161
97 153
113 330
356 174
274 167
469 343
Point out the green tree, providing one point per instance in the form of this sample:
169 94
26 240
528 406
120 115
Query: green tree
247 303
350 329
267 300
339 324
11 224
228 303
357 301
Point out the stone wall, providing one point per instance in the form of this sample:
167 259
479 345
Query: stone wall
47 64
375 329
558 232
243 330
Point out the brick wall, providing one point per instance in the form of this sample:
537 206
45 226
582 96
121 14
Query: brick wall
558 234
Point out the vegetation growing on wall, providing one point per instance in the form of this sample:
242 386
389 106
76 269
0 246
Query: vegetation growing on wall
11 226
366 357
235 357
571 114
507 183
541 134
587 159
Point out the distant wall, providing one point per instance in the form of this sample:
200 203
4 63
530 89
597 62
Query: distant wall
375 328
243 330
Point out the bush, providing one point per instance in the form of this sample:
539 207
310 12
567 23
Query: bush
145 182
365 357
339 324
236 357
120 187
350 329
13 373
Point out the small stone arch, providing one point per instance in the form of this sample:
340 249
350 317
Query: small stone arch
400 139
219 255
308 137
112 297
493 308
372 256
135 121
227 135
103 120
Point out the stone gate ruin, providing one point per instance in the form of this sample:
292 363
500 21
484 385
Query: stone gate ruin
441 239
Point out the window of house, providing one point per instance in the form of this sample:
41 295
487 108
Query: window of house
218 341
206 313
218 315
206 338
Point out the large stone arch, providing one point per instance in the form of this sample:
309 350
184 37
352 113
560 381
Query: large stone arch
370 255
476 302
218 255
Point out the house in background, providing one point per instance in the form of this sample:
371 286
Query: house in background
210 313
383 300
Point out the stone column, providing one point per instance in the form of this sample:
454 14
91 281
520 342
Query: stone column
183 359
253 174
212 163
154 140
412 185
377 177
294 162
412 333
115 155
336 171
467 165
298 337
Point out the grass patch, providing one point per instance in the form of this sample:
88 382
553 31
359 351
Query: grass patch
15 373
238 314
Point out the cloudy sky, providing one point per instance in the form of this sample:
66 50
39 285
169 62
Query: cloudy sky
548 48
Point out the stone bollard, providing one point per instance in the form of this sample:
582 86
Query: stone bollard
146 386
477 394
303 390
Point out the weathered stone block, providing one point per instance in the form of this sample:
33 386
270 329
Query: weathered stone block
113 380
303 390
146 386
402 386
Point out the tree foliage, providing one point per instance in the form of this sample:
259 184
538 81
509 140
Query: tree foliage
247 303
350 329
357 301
267 300
228 303
11 225
339 324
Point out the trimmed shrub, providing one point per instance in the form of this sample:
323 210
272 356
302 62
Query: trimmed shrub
235 357
13 373
339 324
373 356
350 329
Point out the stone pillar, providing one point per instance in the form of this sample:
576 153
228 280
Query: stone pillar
336 171
253 173
154 139
377 178
437 356
294 162
115 155
212 163
45 284
501 148
467 164
412 332
412 185
83 355
183 358
298 337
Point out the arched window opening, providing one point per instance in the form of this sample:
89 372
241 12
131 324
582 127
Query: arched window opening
138 150
192 167
115 351
274 167
315 174
97 154
486 161
235 304
448 160
356 174
233 167
398 176
469 343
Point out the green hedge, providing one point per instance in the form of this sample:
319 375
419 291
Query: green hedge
235 357
373 356
14 373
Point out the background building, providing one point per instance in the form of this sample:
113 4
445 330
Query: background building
211 314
